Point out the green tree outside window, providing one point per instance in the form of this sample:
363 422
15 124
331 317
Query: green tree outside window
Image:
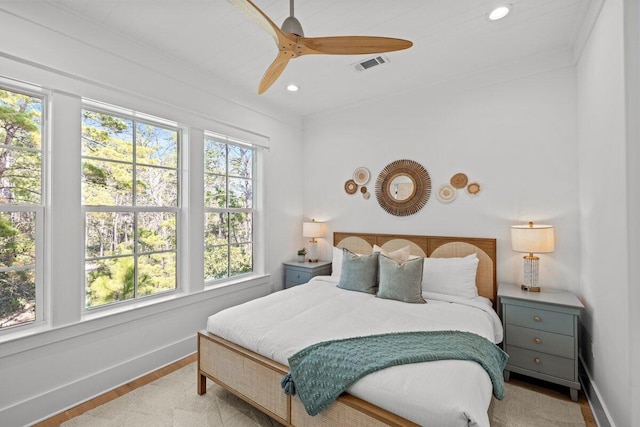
130 194
20 194
229 209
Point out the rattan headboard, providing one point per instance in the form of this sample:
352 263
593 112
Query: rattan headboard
432 246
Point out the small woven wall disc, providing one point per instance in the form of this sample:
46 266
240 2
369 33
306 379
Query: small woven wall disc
459 180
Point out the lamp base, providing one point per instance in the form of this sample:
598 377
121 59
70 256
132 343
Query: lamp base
313 250
530 274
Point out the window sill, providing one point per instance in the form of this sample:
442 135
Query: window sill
40 336
223 283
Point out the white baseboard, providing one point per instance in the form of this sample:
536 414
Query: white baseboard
74 393
598 407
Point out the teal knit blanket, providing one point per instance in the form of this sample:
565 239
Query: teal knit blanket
323 371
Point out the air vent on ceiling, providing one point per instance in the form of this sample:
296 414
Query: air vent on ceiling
370 63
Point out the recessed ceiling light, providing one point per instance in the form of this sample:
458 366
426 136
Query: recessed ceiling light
499 13
292 88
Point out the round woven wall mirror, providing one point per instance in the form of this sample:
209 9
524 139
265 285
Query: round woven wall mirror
403 187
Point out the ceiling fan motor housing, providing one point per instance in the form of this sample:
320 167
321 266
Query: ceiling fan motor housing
292 25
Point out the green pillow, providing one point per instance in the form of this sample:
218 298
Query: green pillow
402 282
359 272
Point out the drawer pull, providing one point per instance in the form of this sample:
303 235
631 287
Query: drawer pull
537 360
537 340
537 319
298 276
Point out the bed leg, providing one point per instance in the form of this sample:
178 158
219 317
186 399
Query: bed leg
202 384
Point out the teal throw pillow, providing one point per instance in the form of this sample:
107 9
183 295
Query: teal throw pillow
359 272
401 282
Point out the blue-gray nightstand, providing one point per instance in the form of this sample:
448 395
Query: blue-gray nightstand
541 334
297 273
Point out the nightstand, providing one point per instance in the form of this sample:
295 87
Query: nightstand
297 273
541 334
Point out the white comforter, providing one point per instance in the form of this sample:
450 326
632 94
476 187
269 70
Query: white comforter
442 393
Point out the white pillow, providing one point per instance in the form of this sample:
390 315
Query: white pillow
452 276
336 262
400 255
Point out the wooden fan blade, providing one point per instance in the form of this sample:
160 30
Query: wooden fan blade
274 71
259 17
350 45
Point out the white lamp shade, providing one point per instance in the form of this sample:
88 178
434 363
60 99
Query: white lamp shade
313 229
532 238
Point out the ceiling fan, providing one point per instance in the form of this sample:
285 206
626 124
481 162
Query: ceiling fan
292 43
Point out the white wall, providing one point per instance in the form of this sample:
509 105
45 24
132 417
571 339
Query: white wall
77 359
632 90
515 136
604 279
45 374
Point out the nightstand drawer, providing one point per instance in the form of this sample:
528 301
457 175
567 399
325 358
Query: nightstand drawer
543 363
544 320
297 277
546 342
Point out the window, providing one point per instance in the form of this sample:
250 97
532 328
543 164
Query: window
130 184
21 208
229 207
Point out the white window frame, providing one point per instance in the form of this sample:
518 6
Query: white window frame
255 222
137 117
41 312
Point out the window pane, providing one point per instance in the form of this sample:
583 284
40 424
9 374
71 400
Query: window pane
109 233
156 187
106 183
156 146
241 259
20 134
110 280
215 195
216 229
107 136
215 157
17 239
20 176
228 236
157 273
240 228
17 297
216 263
110 181
156 231
20 120
240 161
240 193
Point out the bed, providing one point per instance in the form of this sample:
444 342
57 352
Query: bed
245 348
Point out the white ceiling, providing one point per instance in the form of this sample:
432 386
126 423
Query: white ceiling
451 38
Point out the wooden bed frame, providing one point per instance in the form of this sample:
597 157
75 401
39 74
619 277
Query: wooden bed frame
256 379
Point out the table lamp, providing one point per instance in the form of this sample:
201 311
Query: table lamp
531 238
313 229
